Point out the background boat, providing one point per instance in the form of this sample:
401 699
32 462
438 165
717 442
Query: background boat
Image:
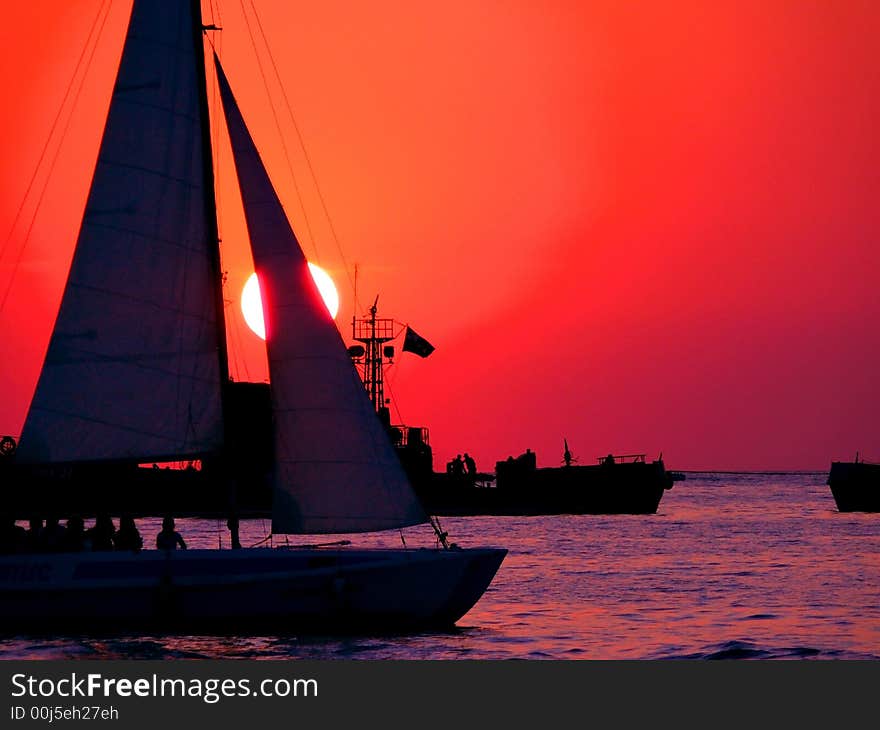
616 485
855 485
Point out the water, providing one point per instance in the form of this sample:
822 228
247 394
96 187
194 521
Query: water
732 566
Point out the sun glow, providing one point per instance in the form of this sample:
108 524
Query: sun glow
252 305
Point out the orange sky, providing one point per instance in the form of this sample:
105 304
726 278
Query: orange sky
641 226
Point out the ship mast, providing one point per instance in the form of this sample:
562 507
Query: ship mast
211 201
214 248
374 332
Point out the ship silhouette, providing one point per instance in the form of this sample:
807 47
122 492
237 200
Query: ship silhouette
855 485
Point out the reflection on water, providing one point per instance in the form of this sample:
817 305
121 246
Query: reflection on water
732 566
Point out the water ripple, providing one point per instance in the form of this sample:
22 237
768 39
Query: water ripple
765 553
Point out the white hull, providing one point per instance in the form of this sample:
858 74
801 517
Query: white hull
227 591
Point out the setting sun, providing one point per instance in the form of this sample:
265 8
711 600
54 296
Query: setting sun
252 306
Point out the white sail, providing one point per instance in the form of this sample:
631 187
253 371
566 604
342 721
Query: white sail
335 470
132 369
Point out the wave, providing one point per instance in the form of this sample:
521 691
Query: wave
746 649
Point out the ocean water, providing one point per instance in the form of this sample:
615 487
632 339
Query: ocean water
732 566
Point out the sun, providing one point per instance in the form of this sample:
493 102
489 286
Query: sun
252 305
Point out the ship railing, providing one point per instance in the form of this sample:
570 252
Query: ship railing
191 465
402 435
622 459
368 329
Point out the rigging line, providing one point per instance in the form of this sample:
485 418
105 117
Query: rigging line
393 369
53 162
240 359
215 145
266 539
401 325
239 331
241 366
195 125
231 343
394 402
302 204
308 159
52 131
214 119
187 274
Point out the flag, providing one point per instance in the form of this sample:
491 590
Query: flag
417 344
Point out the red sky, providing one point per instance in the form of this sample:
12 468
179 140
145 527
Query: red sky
640 226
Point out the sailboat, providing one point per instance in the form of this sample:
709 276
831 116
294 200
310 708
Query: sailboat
136 371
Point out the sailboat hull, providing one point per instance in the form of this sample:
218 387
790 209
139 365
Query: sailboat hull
282 590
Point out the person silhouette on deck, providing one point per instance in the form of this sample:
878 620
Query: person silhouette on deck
458 467
35 534
233 524
75 536
470 466
53 536
169 539
102 534
127 536
609 460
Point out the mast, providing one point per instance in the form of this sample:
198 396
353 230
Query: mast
214 249
374 332
211 210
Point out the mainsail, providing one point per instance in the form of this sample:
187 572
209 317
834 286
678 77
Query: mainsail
132 369
336 470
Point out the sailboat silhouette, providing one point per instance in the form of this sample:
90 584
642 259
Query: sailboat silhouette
151 383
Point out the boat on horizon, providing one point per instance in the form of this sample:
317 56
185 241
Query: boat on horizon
136 372
855 485
615 484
